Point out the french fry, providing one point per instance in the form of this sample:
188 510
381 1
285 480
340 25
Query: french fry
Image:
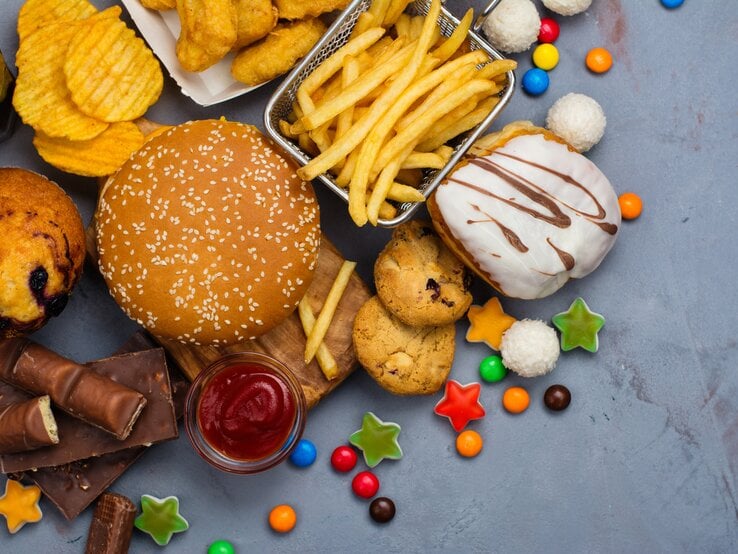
419 160
378 11
325 359
331 65
470 120
382 186
496 68
323 321
357 90
348 75
394 11
377 136
411 135
402 26
404 193
457 38
363 23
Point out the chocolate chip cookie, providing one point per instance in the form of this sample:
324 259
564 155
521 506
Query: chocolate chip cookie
403 359
419 280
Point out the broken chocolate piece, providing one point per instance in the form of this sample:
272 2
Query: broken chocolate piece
72 387
142 371
111 527
27 425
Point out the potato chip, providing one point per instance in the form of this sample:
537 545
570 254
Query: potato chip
96 157
111 73
37 13
41 96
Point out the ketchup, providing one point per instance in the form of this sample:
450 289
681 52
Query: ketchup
246 412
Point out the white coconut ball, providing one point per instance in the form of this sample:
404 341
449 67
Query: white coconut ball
578 119
567 7
530 348
513 25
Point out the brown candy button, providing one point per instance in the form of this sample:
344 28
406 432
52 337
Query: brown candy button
557 398
382 509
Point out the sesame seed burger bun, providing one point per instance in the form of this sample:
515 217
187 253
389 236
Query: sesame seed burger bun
207 235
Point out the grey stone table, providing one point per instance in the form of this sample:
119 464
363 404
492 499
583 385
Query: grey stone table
646 457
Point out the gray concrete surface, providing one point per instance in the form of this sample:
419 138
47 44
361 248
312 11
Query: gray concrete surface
646 457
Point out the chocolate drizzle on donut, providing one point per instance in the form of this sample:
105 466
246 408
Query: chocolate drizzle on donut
508 233
566 258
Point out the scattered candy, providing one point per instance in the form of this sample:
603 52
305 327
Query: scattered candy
579 326
460 404
535 81
545 56
19 505
492 370
671 4
516 400
282 518
377 440
160 518
557 398
549 30
567 7
343 458
578 119
631 205
221 547
469 443
365 484
513 25
487 323
530 348
598 60
304 453
382 509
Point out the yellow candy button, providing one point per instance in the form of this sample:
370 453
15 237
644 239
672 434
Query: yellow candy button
545 56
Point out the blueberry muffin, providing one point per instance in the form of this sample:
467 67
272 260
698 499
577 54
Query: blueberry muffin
41 252
419 280
403 359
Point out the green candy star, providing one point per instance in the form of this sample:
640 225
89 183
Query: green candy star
160 518
578 326
377 440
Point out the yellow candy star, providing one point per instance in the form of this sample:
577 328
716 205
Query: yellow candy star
19 505
488 323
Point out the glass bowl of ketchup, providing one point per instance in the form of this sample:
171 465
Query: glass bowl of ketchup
245 412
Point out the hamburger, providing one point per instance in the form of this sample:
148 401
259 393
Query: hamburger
206 235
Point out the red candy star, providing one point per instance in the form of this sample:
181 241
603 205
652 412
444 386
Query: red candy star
460 404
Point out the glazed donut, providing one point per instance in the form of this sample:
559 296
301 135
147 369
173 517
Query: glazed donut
526 211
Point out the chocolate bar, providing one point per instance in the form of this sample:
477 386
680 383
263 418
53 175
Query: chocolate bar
144 372
75 389
72 487
27 425
111 527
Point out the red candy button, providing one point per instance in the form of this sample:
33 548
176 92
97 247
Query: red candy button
549 31
343 458
365 484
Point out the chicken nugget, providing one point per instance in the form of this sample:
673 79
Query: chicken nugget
255 19
277 53
208 32
300 9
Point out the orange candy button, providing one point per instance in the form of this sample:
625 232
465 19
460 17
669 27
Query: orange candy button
282 518
598 60
469 443
631 205
516 400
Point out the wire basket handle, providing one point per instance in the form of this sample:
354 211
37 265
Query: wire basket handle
482 16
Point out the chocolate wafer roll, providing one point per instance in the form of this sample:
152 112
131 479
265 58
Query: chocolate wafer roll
74 388
27 425
112 525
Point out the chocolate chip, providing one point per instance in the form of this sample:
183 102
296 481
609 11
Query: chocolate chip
449 303
431 284
37 280
467 280
425 231
56 304
4 323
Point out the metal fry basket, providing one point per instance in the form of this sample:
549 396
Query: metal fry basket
280 104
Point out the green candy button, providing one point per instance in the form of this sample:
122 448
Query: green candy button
221 547
491 369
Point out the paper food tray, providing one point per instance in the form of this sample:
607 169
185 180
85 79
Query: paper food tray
160 30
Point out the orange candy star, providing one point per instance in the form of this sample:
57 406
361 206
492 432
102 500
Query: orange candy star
19 505
488 323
